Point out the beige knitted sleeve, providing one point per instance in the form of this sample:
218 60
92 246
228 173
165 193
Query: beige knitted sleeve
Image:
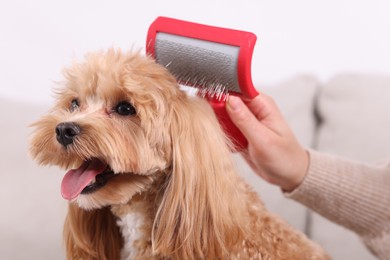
352 194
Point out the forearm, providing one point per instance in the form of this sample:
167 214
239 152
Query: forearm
354 195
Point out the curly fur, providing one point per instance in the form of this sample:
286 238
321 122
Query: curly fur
174 173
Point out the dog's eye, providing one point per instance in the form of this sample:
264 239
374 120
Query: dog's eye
74 105
125 109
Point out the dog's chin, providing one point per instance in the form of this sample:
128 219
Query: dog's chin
109 188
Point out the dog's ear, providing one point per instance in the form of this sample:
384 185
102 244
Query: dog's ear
91 234
199 215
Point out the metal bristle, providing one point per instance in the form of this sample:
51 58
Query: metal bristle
210 67
203 88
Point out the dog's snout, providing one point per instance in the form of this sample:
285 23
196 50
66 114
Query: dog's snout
66 132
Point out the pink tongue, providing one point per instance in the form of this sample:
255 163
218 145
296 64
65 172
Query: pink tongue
76 180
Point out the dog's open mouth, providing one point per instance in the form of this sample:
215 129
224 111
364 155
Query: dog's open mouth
89 177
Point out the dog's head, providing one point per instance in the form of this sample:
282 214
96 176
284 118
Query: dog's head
110 128
121 123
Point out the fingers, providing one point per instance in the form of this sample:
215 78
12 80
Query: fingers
263 106
244 119
259 106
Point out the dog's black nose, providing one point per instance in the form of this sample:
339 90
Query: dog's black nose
66 132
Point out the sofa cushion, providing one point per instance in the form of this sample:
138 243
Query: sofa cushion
295 98
32 208
355 115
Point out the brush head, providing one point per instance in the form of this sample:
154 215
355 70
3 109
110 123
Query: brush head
216 61
212 59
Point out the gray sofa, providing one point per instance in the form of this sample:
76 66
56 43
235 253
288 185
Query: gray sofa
348 115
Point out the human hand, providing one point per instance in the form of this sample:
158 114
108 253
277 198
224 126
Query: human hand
273 151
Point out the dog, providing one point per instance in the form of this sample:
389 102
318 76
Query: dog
149 170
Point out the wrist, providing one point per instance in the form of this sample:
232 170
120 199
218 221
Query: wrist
299 174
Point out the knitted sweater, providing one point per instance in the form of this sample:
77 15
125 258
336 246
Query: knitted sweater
354 195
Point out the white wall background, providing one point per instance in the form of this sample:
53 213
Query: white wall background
38 38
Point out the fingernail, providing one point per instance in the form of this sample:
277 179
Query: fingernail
234 103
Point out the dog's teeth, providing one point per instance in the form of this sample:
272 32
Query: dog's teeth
93 181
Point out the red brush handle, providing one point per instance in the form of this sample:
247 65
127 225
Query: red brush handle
236 137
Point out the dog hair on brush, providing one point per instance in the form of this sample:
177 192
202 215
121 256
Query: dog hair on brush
149 170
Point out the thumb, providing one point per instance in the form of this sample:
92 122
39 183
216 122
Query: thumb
244 119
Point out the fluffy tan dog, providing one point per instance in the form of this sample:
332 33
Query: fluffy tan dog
150 174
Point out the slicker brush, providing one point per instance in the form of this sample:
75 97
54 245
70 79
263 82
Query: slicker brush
216 61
